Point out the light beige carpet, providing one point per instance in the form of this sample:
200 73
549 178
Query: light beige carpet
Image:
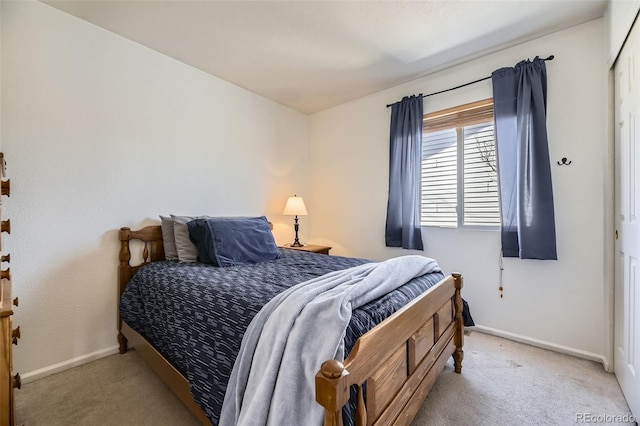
502 383
509 383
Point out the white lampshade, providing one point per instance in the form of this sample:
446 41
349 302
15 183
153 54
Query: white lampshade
295 207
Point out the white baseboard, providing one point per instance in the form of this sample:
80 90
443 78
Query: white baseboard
84 359
545 345
65 365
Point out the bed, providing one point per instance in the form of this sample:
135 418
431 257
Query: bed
394 354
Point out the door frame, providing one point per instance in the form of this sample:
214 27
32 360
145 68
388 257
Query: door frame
609 199
609 193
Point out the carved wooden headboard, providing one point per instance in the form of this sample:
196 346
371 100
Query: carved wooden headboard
153 251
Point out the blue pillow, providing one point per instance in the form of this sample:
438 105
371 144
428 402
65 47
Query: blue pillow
229 241
201 239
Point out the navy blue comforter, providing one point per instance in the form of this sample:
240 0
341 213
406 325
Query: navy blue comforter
196 314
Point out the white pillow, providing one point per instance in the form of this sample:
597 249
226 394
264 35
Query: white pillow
168 238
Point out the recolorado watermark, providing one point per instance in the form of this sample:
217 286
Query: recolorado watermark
604 418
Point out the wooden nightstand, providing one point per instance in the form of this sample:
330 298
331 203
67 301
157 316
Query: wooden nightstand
311 248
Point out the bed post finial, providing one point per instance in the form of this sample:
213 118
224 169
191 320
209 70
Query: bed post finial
332 391
458 337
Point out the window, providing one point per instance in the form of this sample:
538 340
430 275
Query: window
459 179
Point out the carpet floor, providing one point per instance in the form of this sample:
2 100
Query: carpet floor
502 383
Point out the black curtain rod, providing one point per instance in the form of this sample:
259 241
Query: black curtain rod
550 58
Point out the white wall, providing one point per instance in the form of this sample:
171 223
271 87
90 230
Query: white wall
100 132
618 19
0 76
553 303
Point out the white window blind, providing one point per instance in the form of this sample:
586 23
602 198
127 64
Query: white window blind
480 201
439 178
459 180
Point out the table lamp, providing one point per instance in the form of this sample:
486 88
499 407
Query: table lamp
295 207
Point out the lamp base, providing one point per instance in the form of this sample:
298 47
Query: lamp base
296 242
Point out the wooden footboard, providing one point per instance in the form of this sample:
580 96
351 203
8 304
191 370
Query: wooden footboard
398 360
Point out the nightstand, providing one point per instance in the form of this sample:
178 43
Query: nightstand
311 248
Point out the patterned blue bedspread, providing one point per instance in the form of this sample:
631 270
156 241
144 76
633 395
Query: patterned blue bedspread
195 314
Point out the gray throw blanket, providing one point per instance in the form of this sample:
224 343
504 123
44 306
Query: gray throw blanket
272 381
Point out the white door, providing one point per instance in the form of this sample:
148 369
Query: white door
627 184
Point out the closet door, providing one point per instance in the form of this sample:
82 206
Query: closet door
627 216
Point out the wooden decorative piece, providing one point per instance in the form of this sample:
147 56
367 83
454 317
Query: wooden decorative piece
5 187
8 334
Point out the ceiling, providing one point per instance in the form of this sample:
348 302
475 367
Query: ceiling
312 55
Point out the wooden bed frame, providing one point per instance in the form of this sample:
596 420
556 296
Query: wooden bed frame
399 359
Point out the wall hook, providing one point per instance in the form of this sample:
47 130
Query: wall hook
563 162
